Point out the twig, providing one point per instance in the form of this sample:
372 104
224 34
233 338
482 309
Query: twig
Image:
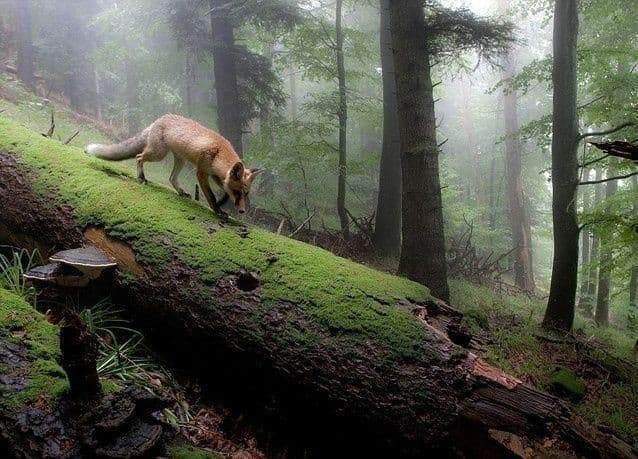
303 223
281 226
66 142
620 177
589 163
601 133
49 134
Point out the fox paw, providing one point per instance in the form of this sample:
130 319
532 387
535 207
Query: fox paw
185 194
142 180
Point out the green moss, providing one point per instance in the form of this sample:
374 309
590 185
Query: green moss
338 296
190 452
565 382
109 386
29 328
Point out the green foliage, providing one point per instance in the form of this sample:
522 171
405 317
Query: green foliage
12 269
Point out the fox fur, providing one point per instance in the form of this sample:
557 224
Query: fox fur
211 153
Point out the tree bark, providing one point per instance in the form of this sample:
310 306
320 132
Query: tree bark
387 227
343 120
518 212
229 120
25 65
604 270
423 243
585 303
559 315
632 310
273 349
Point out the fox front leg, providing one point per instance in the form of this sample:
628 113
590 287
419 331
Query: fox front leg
202 178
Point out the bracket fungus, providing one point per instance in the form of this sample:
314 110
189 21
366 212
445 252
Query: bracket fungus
73 267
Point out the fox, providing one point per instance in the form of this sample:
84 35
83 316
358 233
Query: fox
211 153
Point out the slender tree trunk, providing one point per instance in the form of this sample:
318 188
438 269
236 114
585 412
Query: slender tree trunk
632 319
562 295
131 98
294 108
518 212
229 120
423 242
605 269
594 250
26 68
343 120
98 93
188 84
474 186
585 301
387 228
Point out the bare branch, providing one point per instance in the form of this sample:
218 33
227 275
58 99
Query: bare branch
620 177
303 223
607 132
593 161
67 141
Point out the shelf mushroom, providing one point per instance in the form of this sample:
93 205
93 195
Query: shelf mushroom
73 267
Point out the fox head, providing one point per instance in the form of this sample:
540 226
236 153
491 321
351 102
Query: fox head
237 184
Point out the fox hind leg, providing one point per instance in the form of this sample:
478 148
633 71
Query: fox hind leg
154 151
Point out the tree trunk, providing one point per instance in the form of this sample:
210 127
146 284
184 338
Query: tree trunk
518 211
188 83
595 245
331 349
98 93
632 310
132 118
387 227
604 270
229 120
294 106
343 120
25 66
559 315
585 303
423 242
474 186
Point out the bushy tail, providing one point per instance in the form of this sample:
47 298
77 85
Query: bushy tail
118 151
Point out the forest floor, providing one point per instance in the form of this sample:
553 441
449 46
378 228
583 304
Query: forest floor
594 369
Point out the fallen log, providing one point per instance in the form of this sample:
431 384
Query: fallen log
347 359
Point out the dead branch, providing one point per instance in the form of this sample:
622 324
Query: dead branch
67 141
49 133
303 223
620 177
620 149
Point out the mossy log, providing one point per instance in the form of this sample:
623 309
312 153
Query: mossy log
349 359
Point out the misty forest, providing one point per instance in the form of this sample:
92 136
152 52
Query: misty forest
318 228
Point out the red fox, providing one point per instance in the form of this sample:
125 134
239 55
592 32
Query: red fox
188 140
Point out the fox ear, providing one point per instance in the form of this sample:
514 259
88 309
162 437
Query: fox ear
237 172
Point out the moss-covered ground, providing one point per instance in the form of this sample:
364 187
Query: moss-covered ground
339 296
21 324
605 364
